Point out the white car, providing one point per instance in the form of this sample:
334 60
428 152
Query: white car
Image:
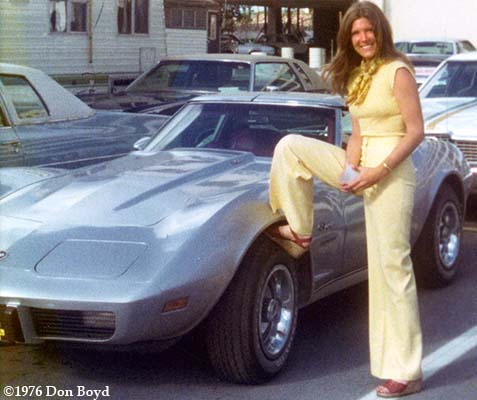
449 102
427 54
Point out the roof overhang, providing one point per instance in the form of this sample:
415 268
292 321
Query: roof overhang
194 3
340 4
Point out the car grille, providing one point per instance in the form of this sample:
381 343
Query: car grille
72 324
469 148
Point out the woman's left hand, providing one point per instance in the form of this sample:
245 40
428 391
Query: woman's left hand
367 177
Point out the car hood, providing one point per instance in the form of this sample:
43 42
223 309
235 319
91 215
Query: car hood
134 101
138 190
455 116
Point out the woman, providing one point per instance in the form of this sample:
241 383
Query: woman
387 126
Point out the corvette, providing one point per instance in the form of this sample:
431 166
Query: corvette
174 235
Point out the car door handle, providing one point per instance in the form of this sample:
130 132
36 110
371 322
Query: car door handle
14 143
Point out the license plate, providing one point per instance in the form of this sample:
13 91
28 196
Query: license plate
10 328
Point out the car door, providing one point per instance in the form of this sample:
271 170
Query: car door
329 230
11 152
61 144
354 250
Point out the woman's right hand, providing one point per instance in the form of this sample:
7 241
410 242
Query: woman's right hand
349 175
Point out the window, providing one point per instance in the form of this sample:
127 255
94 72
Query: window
302 73
186 18
68 15
431 48
276 76
133 16
25 100
465 46
214 76
256 128
454 79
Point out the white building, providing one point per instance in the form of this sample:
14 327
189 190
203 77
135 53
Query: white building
101 37
431 18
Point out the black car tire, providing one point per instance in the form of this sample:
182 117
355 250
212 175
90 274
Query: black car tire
437 252
243 341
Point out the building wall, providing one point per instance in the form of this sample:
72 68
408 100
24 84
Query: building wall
26 39
186 41
432 18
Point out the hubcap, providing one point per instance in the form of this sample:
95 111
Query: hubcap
449 235
277 306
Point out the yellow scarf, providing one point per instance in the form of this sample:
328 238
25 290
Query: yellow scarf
360 86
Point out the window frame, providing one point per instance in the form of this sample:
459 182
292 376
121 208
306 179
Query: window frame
199 18
69 16
132 17
291 70
10 104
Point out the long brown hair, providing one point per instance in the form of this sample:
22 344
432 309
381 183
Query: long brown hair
346 59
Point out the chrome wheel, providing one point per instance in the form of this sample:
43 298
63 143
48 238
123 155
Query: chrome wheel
449 234
251 329
277 311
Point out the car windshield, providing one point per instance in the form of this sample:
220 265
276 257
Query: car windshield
453 79
246 127
427 47
215 76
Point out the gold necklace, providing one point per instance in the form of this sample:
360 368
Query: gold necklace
360 87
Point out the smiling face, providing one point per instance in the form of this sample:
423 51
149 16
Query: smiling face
363 38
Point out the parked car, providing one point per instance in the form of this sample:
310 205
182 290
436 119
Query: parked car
449 102
42 124
427 54
229 42
174 80
149 246
272 44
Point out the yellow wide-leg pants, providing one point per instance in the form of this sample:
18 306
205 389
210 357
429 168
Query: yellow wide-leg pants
394 324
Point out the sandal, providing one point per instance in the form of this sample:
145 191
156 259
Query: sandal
296 247
393 388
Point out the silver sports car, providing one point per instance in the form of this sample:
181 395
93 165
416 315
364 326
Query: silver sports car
148 246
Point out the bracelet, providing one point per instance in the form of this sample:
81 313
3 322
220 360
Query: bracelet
385 165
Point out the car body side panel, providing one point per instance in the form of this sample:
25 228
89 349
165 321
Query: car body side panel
436 162
11 150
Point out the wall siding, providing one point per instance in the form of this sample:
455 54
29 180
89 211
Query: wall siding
26 40
186 41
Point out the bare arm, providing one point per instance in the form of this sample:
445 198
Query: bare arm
353 149
405 91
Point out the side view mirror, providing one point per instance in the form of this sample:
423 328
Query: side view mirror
141 143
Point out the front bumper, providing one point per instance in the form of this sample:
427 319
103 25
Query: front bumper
109 312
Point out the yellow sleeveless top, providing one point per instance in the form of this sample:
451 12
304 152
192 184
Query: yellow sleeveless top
379 113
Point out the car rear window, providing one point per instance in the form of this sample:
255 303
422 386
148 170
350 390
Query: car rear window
194 75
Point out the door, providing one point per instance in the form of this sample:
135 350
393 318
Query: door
212 32
11 151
